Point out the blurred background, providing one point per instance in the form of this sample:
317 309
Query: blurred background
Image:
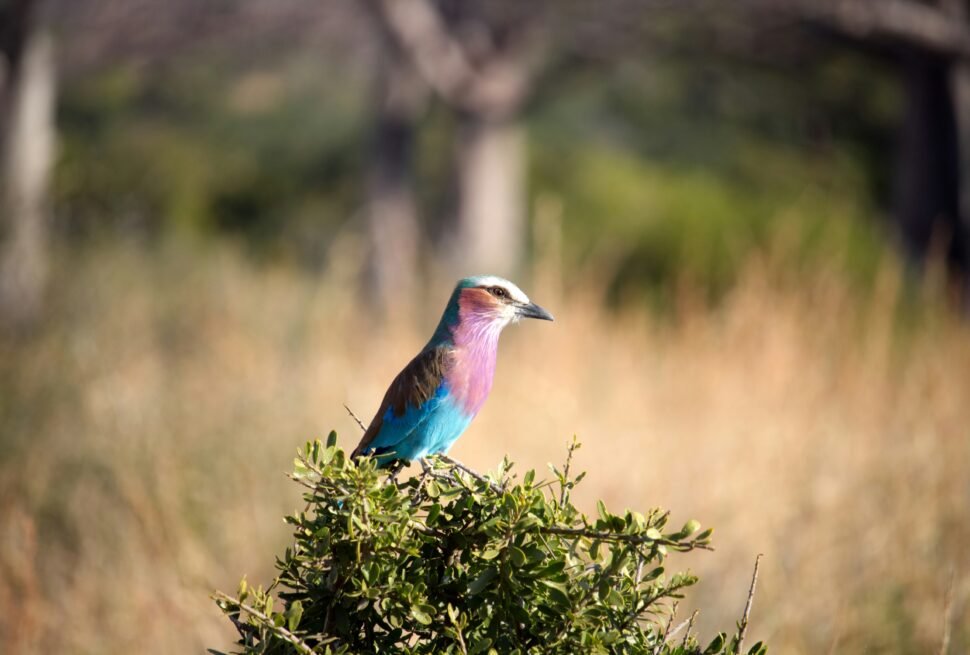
222 220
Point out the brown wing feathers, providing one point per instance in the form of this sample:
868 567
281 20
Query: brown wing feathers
412 387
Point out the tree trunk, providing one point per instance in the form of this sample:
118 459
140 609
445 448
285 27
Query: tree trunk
26 146
392 221
960 92
927 186
491 203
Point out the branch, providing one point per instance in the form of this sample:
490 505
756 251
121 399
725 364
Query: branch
354 416
666 635
497 86
454 463
624 538
905 21
285 634
747 606
690 624
573 446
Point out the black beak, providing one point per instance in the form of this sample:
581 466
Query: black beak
533 310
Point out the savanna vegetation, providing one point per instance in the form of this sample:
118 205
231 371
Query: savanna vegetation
745 331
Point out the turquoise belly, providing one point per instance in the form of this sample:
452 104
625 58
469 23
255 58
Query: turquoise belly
429 429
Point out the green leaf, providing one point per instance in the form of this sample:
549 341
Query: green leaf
332 439
654 533
526 523
517 556
422 615
614 599
479 583
557 592
294 614
716 644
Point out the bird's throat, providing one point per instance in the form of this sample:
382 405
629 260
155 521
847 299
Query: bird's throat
472 369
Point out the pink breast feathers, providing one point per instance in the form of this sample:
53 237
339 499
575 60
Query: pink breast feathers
476 348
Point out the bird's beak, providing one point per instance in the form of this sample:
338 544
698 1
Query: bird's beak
533 310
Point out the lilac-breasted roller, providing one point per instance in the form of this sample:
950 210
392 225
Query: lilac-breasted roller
431 402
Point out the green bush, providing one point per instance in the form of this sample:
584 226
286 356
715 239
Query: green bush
452 562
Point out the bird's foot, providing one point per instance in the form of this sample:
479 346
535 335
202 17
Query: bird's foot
394 470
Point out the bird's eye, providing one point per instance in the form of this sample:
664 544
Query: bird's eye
498 292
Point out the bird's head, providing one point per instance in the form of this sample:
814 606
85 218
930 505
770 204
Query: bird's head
480 307
487 298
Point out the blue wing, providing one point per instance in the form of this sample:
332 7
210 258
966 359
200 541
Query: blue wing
417 416
420 431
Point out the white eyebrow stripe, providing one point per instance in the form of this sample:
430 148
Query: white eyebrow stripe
514 292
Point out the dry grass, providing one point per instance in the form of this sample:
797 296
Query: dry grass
145 434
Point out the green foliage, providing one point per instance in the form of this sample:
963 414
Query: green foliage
452 562
670 169
678 170
210 148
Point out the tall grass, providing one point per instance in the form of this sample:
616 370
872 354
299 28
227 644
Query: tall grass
146 428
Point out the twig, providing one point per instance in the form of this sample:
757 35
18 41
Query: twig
690 624
947 615
464 469
639 574
354 416
564 489
663 639
625 538
285 634
747 606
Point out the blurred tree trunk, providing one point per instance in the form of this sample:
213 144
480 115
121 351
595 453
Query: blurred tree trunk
927 184
960 90
932 192
392 221
491 212
483 71
27 91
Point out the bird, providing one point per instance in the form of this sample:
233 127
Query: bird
435 397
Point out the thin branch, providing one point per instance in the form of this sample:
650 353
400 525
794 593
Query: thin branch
639 573
690 624
285 634
904 21
666 634
354 416
496 85
423 35
454 463
747 606
564 489
625 538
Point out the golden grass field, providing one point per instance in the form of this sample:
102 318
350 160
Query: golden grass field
146 430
